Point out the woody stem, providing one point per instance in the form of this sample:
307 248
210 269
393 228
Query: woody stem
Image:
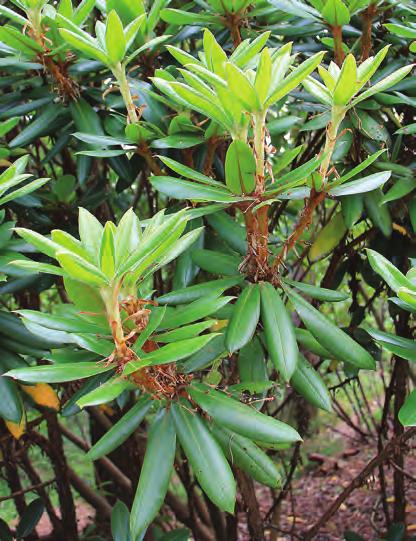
110 298
315 197
338 50
119 72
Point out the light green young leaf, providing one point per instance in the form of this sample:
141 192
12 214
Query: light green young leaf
114 38
346 84
263 76
336 13
58 373
240 168
81 270
90 232
361 185
384 84
367 69
215 57
390 274
295 78
79 43
43 244
242 88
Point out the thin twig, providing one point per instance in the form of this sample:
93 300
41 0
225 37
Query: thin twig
25 490
359 480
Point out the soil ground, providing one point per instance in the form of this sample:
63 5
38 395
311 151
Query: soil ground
325 477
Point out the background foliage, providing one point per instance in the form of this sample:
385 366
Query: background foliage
207 236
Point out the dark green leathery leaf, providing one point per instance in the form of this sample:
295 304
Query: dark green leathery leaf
352 208
279 331
120 518
252 368
308 383
309 342
248 456
216 262
320 293
119 432
407 413
336 341
205 456
378 213
11 406
241 418
228 230
155 473
195 292
244 320
202 307
213 350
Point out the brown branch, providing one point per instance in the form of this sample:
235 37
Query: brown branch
340 411
144 151
67 87
400 389
212 146
254 519
339 253
13 480
55 449
368 17
89 494
118 476
338 50
342 383
359 480
32 488
232 21
182 514
404 472
283 493
256 262
39 487
305 221
100 417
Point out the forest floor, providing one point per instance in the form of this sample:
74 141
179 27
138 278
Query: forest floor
326 477
330 460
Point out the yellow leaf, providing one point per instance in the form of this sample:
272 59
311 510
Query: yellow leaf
402 230
333 365
328 237
108 410
43 394
218 325
17 430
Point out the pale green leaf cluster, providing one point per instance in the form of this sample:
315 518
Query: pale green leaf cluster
343 87
112 256
226 88
12 177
